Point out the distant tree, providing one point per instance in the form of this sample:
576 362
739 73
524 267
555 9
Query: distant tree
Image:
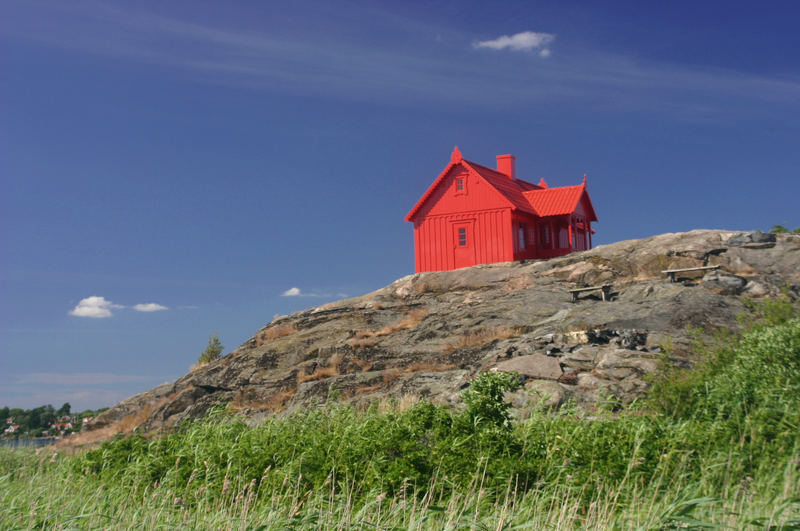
213 351
64 410
779 229
796 230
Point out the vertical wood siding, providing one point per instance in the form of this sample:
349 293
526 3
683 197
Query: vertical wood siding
492 226
490 238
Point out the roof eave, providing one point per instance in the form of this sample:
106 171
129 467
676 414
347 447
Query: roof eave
593 217
429 191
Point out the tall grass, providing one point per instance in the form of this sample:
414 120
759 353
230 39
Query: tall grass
35 493
729 457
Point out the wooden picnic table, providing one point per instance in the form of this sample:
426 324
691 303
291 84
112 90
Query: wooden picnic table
604 289
671 272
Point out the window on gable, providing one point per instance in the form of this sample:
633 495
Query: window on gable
459 185
462 237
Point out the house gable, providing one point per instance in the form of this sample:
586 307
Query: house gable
459 189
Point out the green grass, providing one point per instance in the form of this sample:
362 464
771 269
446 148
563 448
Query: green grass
35 493
718 447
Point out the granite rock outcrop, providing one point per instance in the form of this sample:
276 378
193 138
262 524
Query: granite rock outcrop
428 335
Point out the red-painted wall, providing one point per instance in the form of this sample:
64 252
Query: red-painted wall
465 221
486 238
526 246
475 195
477 209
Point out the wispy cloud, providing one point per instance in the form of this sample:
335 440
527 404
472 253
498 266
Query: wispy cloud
444 72
149 307
94 307
292 292
524 41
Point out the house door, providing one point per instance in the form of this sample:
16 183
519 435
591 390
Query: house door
464 248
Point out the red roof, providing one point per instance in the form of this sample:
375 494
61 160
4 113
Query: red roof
521 195
559 201
512 189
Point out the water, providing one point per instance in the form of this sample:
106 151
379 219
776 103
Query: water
28 443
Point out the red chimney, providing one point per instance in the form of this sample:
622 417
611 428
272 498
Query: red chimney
507 165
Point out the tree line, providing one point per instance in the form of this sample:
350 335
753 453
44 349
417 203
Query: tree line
33 422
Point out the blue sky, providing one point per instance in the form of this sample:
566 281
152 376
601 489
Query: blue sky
202 158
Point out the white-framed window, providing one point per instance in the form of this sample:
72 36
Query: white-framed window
521 236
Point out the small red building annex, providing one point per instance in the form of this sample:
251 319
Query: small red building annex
472 215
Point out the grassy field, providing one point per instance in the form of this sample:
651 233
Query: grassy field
718 447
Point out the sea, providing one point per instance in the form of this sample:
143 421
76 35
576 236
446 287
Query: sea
28 443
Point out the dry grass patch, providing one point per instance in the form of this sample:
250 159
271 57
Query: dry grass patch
364 365
197 366
320 372
426 366
366 338
368 388
123 426
406 401
279 399
274 332
362 342
481 337
390 375
276 402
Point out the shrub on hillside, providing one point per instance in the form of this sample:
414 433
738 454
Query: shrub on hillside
484 398
213 351
739 421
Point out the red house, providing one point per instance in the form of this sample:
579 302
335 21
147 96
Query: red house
472 215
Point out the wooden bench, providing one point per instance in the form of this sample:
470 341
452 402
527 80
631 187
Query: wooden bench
605 291
671 272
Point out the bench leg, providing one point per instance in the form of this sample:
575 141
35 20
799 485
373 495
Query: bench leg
604 294
671 277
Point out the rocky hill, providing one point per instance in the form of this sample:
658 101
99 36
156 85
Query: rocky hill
427 335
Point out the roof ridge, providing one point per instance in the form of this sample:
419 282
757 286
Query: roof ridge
485 167
498 174
555 188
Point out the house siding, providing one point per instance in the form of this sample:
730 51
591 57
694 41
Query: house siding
489 240
473 215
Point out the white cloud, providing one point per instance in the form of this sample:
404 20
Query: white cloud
149 307
296 292
584 77
95 307
521 42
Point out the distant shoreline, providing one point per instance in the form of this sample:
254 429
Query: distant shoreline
28 442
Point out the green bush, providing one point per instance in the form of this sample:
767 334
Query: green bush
484 398
781 229
213 351
735 437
